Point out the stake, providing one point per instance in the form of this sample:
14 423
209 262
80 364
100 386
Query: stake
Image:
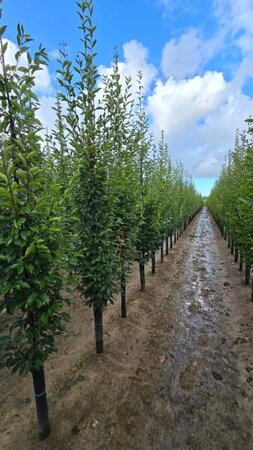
247 273
153 262
162 258
142 275
98 318
41 403
123 297
167 245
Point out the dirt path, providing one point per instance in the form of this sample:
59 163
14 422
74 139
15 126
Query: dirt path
176 374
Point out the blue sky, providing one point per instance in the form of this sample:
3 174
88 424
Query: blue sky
196 58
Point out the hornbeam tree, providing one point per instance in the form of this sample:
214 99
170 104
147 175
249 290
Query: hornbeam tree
231 200
30 236
118 135
97 253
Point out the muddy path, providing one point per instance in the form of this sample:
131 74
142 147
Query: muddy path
177 373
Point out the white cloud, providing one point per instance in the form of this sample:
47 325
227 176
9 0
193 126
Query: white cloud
135 59
175 105
199 117
54 54
236 17
45 113
187 55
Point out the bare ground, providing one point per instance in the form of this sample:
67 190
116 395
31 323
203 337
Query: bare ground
177 373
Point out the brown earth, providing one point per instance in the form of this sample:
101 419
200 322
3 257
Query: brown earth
176 374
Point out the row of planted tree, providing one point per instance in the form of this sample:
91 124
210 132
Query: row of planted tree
78 205
231 201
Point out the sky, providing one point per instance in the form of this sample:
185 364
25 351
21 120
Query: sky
196 57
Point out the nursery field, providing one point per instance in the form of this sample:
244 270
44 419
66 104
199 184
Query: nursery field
176 373
126 314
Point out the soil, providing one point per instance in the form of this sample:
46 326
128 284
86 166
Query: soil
177 373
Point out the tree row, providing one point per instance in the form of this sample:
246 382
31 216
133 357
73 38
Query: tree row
80 204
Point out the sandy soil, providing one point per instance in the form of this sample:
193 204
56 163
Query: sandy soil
177 373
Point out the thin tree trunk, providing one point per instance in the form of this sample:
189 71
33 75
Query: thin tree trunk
167 245
171 241
98 318
142 276
236 254
175 237
153 262
241 264
177 234
123 296
41 403
229 242
232 247
247 274
162 255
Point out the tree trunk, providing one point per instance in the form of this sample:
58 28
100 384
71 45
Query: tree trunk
142 276
229 242
236 254
171 241
177 232
98 318
41 403
247 274
175 237
232 247
153 262
162 255
241 264
123 296
167 245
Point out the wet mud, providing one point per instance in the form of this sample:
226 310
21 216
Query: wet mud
176 374
202 396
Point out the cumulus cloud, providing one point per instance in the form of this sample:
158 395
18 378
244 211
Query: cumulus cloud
199 109
187 55
175 105
45 113
199 117
135 58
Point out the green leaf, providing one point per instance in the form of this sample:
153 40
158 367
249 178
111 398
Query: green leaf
4 177
5 193
29 250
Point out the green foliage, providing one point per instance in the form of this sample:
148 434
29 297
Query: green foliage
97 253
91 199
30 236
231 199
